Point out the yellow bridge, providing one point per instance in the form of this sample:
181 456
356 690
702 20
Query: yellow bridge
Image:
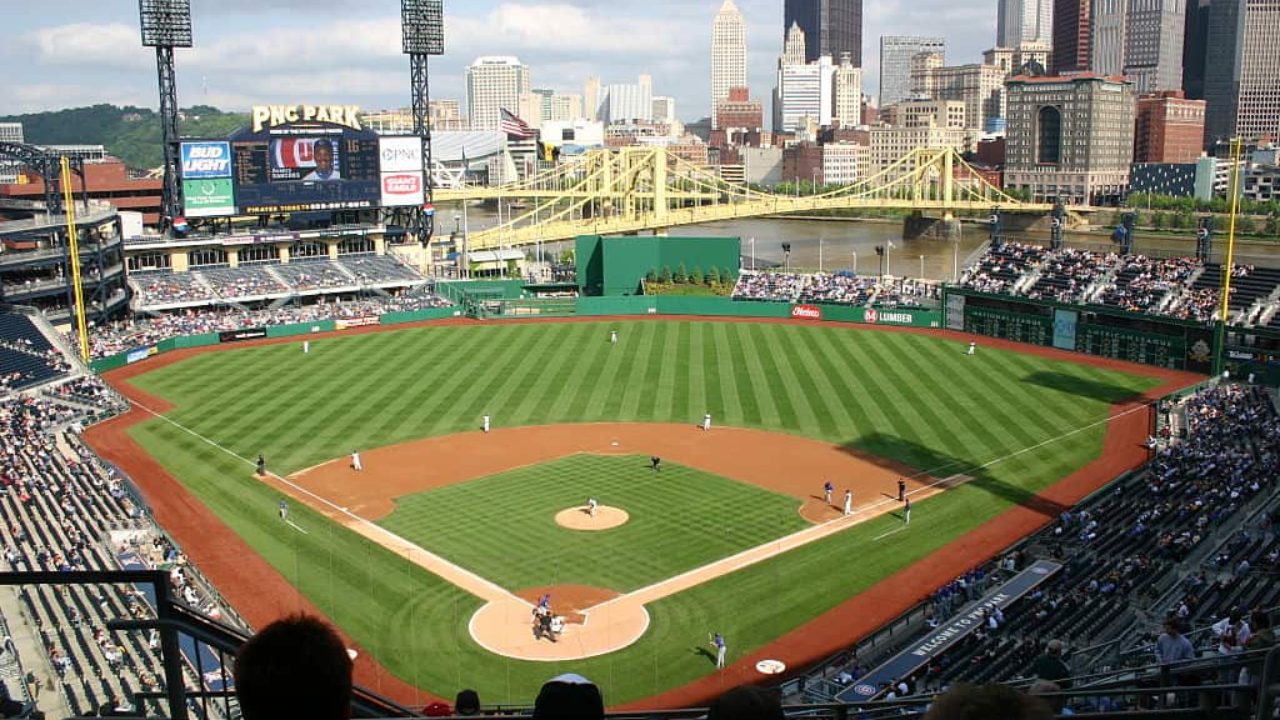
629 190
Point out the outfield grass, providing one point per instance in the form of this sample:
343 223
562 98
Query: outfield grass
915 399
681 519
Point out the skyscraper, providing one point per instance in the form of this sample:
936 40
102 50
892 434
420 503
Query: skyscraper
494 83
847 97
1020 20
1107 33
728 54
1242 70
1071 36
896 52
1195 41
1153 44
831 27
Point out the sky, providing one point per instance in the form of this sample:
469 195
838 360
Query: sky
71 53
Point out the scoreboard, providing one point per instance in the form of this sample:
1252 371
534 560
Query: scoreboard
299 159
1094 330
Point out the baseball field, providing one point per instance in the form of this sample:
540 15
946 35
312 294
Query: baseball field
731 536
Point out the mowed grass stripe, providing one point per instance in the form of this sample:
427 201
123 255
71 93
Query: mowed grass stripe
416 624
738 406
802 391
737 375
638 383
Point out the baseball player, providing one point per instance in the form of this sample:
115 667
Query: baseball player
613 337
592 505
706 421
902 490
906 512
306 346
827 491
655 462
262 465
486 423
355 460
284 510
973 347
848 502
717 642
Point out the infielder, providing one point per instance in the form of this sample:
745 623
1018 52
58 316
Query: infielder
592 505
717 642
284 510
848 502
355 460
262 465
655 462
706 421
486 423
827 491
973 347
902 491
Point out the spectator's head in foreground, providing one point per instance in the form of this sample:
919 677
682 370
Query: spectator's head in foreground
295 667
568 697
467 703
986 702
747 703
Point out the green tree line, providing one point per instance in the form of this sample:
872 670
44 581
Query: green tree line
129 133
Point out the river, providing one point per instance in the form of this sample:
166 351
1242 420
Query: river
833 245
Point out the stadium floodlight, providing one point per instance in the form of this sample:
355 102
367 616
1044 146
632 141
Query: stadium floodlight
422 24
165 23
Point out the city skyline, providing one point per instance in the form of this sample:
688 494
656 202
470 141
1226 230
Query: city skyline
252 53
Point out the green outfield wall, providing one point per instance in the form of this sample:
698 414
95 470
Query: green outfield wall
611 266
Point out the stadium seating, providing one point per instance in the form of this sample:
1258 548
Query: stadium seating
379 270
167 288
1066 275
310 275
775 286
841 288
59 506
26 356
241 283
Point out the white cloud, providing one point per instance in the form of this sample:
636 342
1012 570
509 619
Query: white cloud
109 45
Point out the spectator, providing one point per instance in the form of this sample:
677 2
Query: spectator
747 702
296 667
467 703
1051 667
567 697
987 702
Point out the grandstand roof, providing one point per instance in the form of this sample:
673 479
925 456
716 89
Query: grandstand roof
451 145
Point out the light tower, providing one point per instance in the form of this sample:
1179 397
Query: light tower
422 26
166 24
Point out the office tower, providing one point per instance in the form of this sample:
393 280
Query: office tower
728 54
847 95
1242 70
494 83
1071 36
896 52
831 27
1153 44
1020 20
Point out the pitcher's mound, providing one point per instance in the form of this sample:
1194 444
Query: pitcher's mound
579 518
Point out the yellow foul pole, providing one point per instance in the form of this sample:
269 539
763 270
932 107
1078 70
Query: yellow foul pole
73 243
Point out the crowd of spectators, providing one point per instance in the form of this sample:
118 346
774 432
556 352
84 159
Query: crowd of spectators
1143 282
840 288
776 286
249 281
1066 273
1001 267
142 331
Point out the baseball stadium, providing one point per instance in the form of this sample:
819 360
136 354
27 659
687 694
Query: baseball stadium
663 466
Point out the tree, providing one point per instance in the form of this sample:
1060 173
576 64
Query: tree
1178 220
665 275
1158 220
697 278
713 275
682 275
1245 225
652 275
1273 224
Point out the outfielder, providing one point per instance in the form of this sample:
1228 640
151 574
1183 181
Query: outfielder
486 423
284 510
717 642
706 421
306 346
973 347
355 460
613 337
906 513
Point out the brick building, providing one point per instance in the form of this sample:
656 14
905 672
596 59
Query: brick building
1169 128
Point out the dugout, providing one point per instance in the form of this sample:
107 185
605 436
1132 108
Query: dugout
611 266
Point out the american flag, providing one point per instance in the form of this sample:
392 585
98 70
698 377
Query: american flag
515 127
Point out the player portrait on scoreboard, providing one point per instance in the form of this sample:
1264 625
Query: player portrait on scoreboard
306 159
